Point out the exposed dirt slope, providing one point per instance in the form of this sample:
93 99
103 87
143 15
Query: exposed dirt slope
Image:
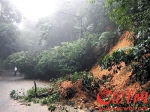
122 43
120 80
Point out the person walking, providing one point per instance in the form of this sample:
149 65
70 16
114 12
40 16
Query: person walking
15 71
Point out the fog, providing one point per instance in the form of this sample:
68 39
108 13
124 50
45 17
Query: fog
44 24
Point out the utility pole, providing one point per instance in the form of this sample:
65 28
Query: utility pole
79 19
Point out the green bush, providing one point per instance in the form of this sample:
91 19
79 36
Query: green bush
12 94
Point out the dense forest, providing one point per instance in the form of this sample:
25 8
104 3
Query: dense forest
81 33
58 44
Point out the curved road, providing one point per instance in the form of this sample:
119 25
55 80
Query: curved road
9 82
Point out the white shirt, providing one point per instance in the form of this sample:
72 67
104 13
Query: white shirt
15 68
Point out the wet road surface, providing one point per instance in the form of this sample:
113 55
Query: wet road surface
9 82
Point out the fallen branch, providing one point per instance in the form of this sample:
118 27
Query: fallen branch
49 92
35 88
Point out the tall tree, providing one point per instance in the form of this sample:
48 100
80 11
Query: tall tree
56 29
29 36
8 39
132 15
8 12
9 32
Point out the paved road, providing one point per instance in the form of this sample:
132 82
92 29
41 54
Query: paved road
8 82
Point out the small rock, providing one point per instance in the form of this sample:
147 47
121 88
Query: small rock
75 107
96 104
81 105
85 109
84 100
81 111
91 108
96 108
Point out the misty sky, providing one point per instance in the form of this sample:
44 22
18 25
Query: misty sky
35 9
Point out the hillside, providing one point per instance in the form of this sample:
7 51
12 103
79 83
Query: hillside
113 81
120 80
122 43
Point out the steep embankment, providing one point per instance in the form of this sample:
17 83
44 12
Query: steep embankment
120 79
122 43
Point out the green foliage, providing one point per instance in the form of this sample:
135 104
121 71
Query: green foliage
131 15
97 19
110 60
15 94
63 109
52 98
9 32
29 38
136 56
30 96
54 30
91 1
8 36
43 100
90 83
31 92
51 108
1 63
69 58
106 37
75 76
106 41
25 61
9 13
87 79
12 94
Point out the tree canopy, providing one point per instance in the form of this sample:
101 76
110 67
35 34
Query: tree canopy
133 15
9 13
9 32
